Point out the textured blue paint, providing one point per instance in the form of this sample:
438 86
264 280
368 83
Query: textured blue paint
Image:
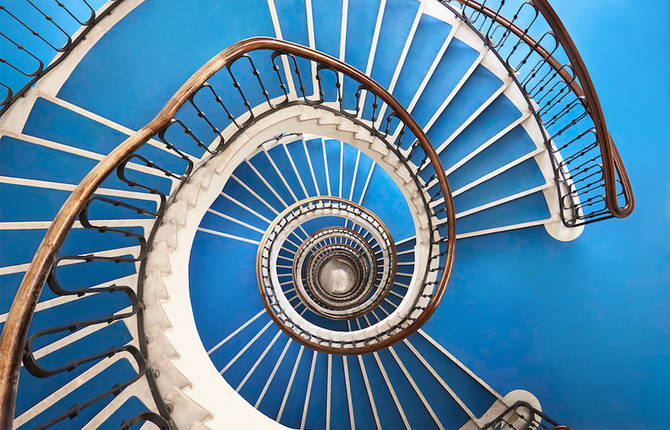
361 21
359 395
300 159
316 412
385 200
228 207
333 159
364 166
215 222
328 15
272 402
152 51
396 25
70 276
339 408
57 166
478 88
57 124
386 409
529 208
520 178
263 165
250 178
510 147
315 152
235 373
254 385
31 204
590 343
225 290
89 307
472 394
114 374
445 407
455 61
280 158
24 243
428 40
414 410
237 192
222 356
31 43
348 165
292 416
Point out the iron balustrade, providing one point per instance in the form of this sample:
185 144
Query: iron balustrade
36 26
208 112
544 63
364 224
139 356
534 45
522 416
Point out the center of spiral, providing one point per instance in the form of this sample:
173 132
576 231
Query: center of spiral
337 276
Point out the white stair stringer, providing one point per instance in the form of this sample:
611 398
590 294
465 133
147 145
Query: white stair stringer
167 266
165 331
361 138
171 382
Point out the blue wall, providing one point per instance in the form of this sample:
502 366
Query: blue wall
586 325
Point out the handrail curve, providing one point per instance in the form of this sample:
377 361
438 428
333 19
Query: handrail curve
574 74
612 162
16 328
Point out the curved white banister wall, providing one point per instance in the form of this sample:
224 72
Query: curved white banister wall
14 120
194 362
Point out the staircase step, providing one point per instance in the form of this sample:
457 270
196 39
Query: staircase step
292 16
396 27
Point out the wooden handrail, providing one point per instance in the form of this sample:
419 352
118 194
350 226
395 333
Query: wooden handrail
612 161
22 309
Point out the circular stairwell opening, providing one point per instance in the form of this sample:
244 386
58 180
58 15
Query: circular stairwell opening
351 243
337 276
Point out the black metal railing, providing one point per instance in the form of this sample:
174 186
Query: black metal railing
376 248
522 416
342 97
349 244
133 293
530 40
39 36
590 177
244 84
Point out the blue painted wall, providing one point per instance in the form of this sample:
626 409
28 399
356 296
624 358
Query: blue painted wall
585 325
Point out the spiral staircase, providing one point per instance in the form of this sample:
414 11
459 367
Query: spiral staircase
265 251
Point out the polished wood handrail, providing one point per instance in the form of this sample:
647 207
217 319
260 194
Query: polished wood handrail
22 309
329 349
612 162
